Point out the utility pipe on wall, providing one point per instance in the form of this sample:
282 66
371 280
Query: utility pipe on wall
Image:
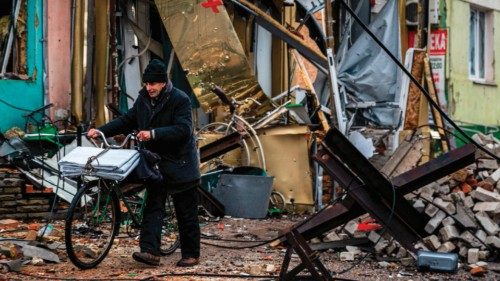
77 62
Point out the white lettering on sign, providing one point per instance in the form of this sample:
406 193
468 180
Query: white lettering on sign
439 39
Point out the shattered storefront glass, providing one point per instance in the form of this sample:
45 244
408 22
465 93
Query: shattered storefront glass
209 50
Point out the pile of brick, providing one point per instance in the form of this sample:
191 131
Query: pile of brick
19 200
464 208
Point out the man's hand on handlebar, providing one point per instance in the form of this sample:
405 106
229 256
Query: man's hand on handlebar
144 135
93 133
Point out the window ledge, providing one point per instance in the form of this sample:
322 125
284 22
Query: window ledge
484 83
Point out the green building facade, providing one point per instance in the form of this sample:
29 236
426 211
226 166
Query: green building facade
473 65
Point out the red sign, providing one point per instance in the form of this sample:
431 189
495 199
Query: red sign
439 41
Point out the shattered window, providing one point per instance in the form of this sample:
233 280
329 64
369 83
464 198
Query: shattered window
13 44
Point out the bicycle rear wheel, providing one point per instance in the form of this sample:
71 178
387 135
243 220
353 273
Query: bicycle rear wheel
92 223
170 231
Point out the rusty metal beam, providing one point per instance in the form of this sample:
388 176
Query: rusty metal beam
220 146
281 32
329 218
377 184
370 201
348 209
435 169
339 244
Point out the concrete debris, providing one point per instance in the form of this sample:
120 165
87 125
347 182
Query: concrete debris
37 252
464 211
12 265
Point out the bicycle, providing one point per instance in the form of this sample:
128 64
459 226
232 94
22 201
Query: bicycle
98 210
238 123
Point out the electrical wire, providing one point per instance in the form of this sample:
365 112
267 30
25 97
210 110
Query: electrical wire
279 237
274 277
39 277
414 80
13 106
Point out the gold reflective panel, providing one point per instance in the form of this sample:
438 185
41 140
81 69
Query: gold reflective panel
208 48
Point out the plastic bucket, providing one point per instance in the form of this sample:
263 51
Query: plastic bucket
244 196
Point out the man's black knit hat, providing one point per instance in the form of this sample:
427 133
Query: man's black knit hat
156 71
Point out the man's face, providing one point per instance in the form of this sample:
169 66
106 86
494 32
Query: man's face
154 88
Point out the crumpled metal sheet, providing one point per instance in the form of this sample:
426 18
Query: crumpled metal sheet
367 70
208 48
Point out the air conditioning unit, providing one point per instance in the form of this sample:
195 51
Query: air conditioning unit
411 12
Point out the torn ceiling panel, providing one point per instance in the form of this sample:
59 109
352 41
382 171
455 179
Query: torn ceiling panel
367 72
209 50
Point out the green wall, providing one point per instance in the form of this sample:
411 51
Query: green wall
470 103
25 94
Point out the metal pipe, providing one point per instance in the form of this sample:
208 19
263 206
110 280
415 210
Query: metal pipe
77 63
101 59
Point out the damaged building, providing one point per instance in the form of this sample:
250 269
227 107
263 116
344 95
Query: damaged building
377 120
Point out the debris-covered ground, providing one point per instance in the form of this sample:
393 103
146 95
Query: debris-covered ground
228 263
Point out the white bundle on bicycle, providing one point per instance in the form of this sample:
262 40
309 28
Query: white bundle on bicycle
114 164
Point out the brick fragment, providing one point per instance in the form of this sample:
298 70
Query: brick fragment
431 210
471 180
478 271
8 224
493 241
432 242
460 175
484 195
467 237
490 207
449 232
446 247
435 222
488 224
347 256
487 164
486 185
465 187
448 221
449 207
495 176
473 255
419 205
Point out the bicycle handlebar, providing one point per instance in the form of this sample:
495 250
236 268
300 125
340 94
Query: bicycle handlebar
107 144
223 97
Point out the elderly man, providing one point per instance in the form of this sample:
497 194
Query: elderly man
162 115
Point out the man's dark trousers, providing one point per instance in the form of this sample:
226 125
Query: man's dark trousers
186 212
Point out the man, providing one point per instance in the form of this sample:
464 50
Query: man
162 115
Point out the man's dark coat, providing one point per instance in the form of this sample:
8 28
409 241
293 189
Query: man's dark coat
170 118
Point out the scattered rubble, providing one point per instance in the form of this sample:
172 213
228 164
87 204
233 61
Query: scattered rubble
465 211
464 208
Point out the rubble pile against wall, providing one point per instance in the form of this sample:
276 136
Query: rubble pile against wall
19 200
464 208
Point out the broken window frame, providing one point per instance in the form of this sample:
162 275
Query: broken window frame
15 47
480 45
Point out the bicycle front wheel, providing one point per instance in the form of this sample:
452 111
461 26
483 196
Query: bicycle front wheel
91 224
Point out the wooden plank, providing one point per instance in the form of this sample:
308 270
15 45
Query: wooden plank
438 120
397 156
414 96
411 160
425 132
